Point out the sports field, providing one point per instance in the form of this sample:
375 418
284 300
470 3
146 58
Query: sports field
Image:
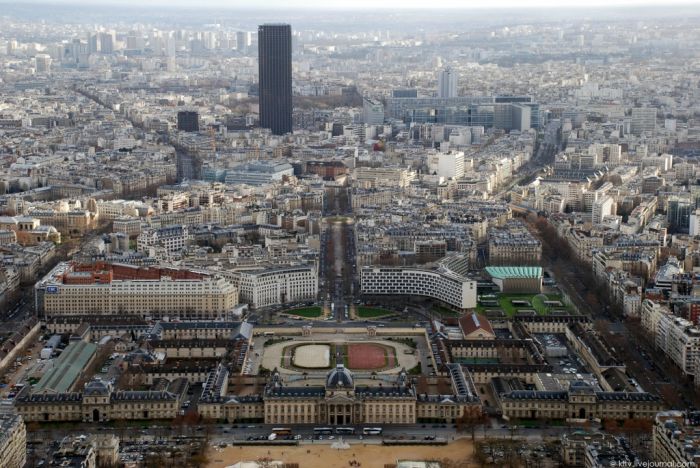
369 356
312 356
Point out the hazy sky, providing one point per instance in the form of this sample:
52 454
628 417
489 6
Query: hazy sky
371 4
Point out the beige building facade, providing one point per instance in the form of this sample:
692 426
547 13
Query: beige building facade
13 440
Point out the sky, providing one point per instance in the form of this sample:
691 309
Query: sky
372 4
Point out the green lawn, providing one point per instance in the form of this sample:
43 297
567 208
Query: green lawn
372 312
536 302
307 312
415 370
538 305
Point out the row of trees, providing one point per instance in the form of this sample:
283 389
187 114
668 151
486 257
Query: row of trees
567 267
593 297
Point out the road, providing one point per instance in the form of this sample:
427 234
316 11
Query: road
228 433
547 148
651 369
337 262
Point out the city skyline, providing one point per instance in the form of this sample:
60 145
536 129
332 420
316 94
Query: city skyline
390 4
333 235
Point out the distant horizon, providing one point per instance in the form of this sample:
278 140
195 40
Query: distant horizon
390 5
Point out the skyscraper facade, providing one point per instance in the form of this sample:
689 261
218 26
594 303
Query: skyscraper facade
447 83
242 40
275 74
188 121
643 120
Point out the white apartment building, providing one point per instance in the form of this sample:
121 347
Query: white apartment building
113 209
449 165
601 208
376 177
443 285
680 340
650 314
172 239
684 171
694 229
608 153
264 287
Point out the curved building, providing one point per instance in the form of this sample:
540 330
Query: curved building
441 284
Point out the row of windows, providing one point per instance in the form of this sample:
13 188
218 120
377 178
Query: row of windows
150 288
285 410
565 405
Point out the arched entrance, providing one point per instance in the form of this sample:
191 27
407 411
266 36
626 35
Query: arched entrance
582 413
95 415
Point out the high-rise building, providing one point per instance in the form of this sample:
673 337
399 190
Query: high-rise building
242 40
694 229
447 83
43 63
275 75
107 42
188 121
93 43
678 214
12 46
643 120
372 111
512 116
75 53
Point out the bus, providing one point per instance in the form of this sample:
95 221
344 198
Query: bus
323 431
268 333
372 431
345 430
282 431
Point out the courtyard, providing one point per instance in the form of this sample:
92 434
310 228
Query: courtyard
322 352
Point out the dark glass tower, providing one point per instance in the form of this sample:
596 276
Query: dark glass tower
275 72
188 121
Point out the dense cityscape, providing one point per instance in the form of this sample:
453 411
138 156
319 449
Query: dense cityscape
400 238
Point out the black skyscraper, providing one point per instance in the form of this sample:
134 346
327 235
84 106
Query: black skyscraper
275 70
188 121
